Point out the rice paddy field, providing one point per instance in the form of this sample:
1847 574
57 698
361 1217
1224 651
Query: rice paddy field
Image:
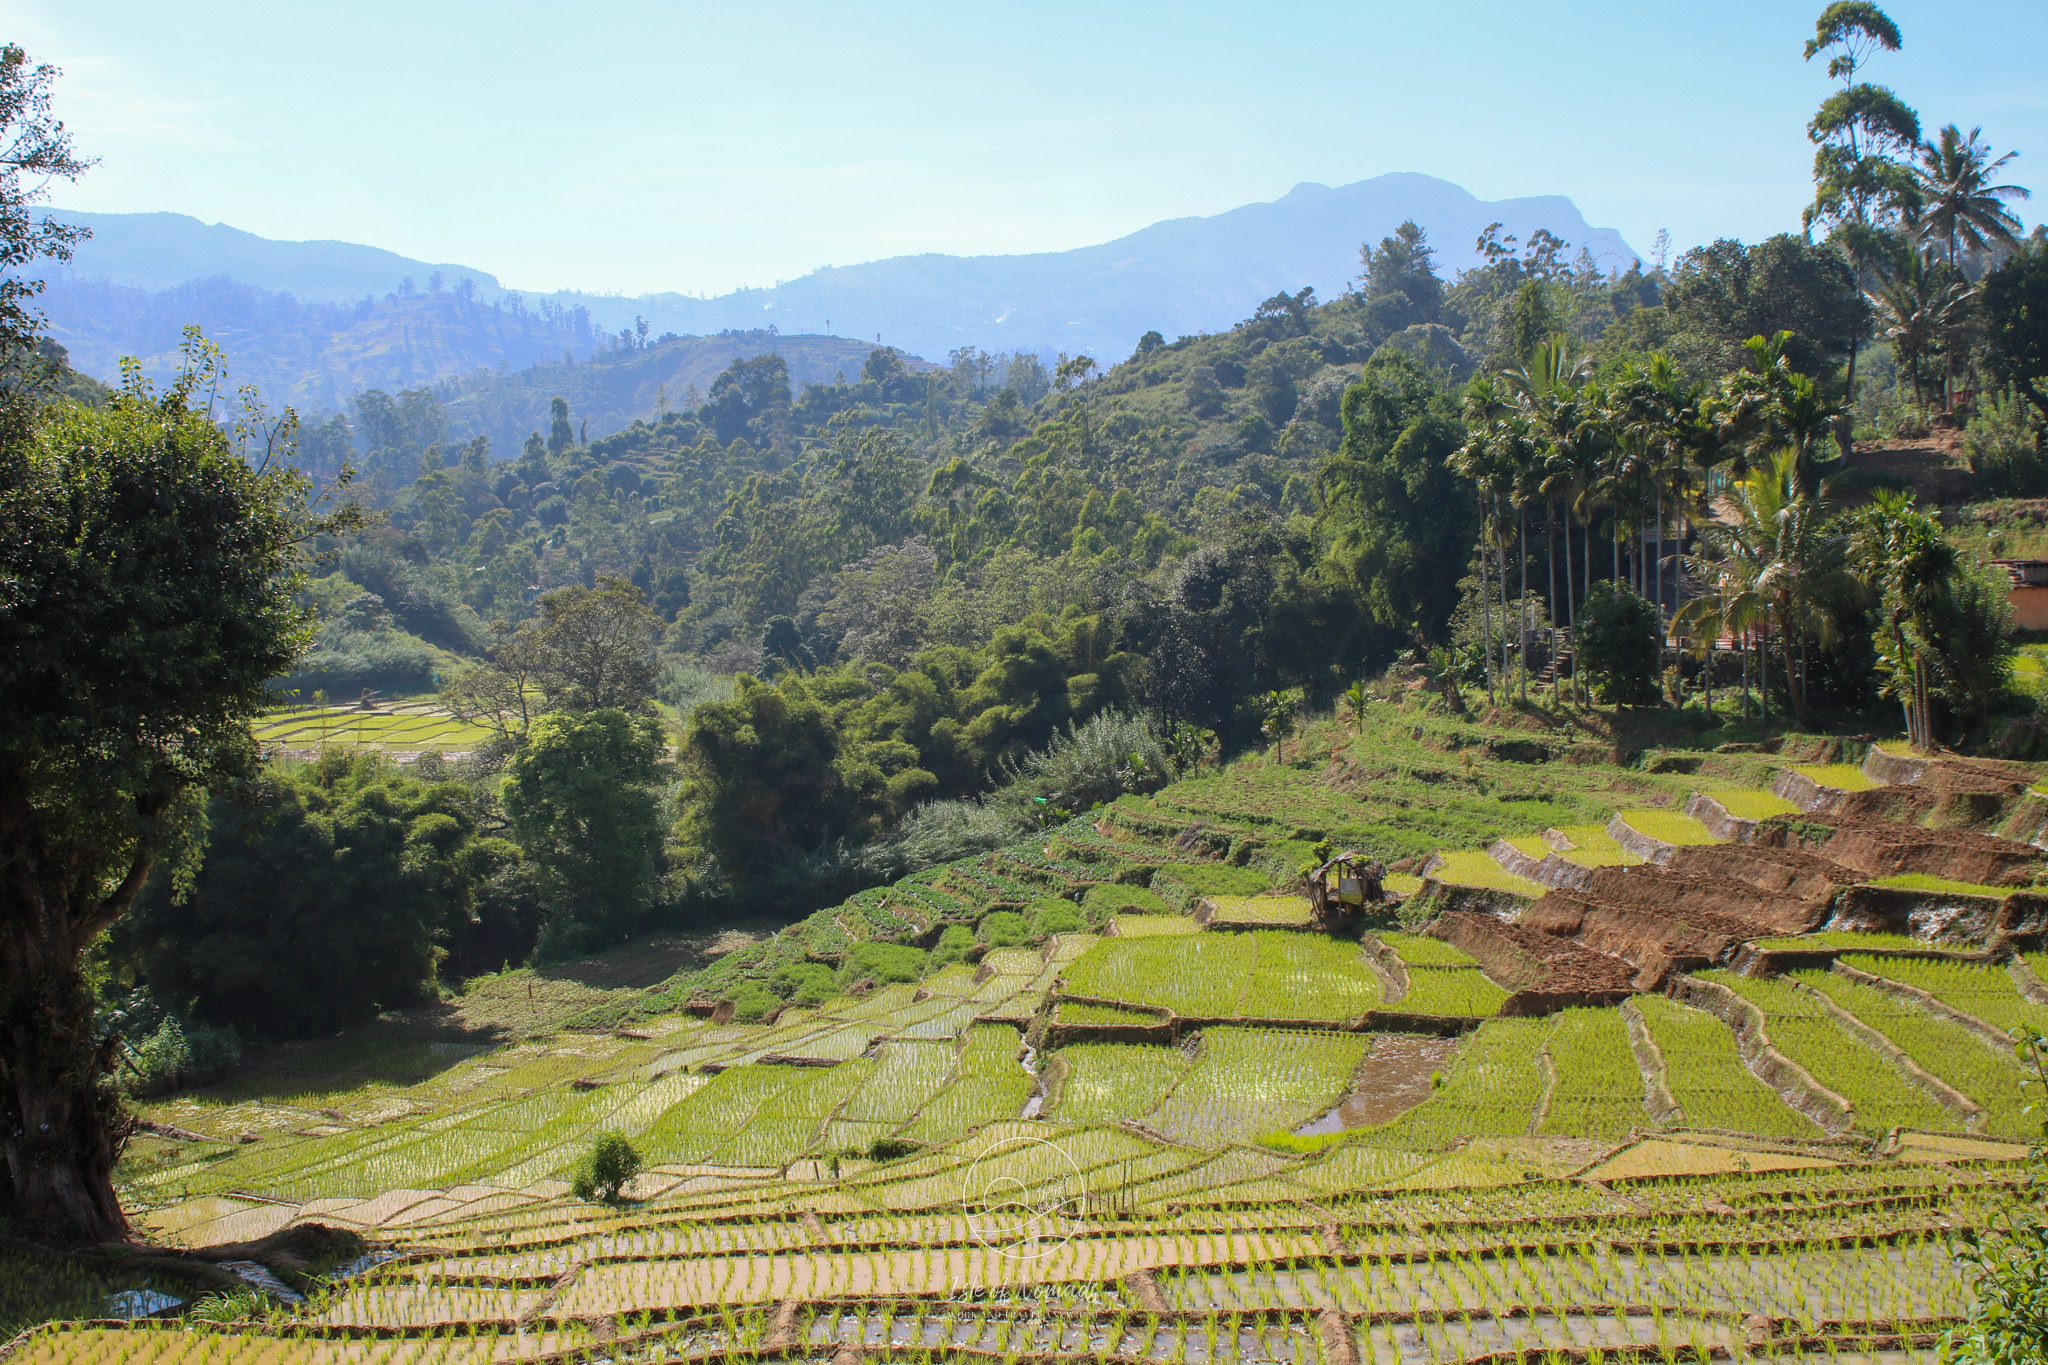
403 727
1203 1129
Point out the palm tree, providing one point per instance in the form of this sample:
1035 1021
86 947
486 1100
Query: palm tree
1920 304
1960 204
1776 547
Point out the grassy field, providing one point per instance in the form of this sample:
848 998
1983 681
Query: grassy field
929 1165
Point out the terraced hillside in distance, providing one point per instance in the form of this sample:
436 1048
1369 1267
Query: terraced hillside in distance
1657 1053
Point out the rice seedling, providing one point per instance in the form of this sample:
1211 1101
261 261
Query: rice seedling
1801 1029
1748 804
1704 1072
1984 991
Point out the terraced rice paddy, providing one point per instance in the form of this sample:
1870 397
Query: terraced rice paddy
415 727
1322 1150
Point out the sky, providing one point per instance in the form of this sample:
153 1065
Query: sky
628 146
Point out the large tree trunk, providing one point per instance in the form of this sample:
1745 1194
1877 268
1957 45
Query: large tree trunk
62 1125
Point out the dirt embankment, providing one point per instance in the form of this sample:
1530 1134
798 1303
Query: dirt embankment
1544 972
1790 872
1882 848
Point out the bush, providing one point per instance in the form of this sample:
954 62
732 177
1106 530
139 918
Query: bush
1002 929
1055 917
752 1001
1101 902
179 1054
605 1169
884 962
954 941
1619 644
806 983
2004 449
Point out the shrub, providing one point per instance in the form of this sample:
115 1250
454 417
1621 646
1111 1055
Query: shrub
752 1001
1101 902
1619 644
884 962
179 1054
1055 917
605 1169
1002 929
2004 449
954 941
890 1148
807 983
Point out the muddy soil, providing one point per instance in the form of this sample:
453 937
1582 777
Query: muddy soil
1393 1079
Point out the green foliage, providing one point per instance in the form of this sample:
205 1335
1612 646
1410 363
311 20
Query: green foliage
1098 903
1054 917
883 963
752 1001
606 1169
806 983
2002 442
1618 644
2007 1264
2015 301
954 941
1399 522
150 574
322 897
581 798
1002 929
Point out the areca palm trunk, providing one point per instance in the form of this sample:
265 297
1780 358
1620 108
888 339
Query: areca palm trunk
1486 615
1522 524
1792 688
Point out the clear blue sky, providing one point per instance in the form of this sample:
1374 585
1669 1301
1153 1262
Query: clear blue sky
622 146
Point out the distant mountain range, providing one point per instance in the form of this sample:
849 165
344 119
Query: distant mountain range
1183 276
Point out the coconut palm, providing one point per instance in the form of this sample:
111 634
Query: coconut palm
1776 544
1921 303
1960 204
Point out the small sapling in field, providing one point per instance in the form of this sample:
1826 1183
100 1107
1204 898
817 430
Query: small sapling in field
606 1169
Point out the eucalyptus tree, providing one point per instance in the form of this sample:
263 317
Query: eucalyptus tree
1862 134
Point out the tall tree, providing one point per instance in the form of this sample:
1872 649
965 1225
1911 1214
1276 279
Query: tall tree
1400 523
34 149
1960 206
1861 133
150 572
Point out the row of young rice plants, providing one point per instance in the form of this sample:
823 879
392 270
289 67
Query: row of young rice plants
1459 992
1846 938
1262 974
1105 1082
990 1084
1308 976
1198 975
1941 1047
1982 990
1914 1279
1490 1090
1252 1081
1417 950
1598 1090
1704 1071
1801 1029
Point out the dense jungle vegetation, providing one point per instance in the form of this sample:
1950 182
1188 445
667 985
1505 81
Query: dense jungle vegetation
896 617
784 641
